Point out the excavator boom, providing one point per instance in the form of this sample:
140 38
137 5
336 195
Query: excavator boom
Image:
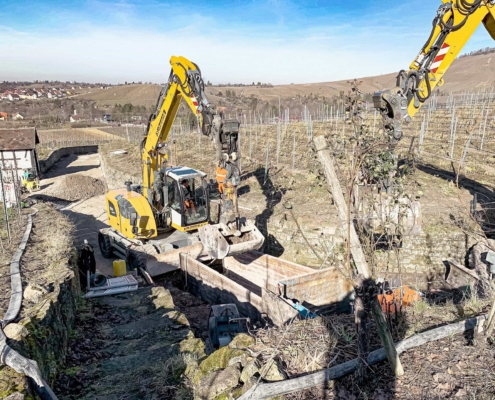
453 25
233 234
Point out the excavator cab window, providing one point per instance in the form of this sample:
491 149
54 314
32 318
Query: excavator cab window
175 197
126 209
111 209
195 201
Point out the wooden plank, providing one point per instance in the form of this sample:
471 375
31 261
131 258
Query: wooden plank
333 181
320 378
463 269
251 257
215 288
318 288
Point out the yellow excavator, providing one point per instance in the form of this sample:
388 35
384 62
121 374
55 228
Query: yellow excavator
455 22
171 208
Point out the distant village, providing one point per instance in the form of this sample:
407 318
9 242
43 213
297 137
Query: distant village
13 93
41 93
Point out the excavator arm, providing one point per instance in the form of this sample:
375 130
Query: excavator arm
184 83
232 235
454 24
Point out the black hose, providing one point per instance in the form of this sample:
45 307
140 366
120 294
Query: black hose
434 25
466 9
428 85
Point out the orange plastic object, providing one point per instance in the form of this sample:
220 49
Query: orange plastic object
393 302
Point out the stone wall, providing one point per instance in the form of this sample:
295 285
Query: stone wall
56 155
424 254
420 256
50 300
115 178
42 336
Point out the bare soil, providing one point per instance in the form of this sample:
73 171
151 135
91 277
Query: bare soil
127 347
76 187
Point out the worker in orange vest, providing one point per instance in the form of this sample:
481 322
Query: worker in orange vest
221 178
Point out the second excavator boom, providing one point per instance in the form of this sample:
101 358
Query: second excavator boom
453 25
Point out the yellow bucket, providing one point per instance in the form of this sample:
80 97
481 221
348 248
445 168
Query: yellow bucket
119 268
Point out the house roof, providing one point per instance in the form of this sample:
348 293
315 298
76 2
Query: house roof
18 139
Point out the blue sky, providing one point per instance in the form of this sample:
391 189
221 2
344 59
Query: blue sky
276 41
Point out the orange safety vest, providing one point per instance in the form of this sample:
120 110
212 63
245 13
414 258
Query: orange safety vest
221 178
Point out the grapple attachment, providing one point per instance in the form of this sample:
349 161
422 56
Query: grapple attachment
220 241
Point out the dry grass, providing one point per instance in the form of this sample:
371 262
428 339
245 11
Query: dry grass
162 380
129 163
307 346
63 137
50 247
47 254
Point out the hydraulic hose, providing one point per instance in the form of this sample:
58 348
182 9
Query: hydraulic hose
428 88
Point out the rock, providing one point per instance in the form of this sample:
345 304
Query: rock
16 332
219 359
249 384
230 394
16 396
242 341
33 294
251 368
193 373
162 298
193 347
179 318
272 372
477 261
216 383
242 359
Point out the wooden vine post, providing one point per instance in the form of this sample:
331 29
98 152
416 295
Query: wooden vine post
356 250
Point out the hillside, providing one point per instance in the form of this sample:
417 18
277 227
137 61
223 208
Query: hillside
467 73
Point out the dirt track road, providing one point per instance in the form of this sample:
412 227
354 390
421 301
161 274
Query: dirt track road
88 215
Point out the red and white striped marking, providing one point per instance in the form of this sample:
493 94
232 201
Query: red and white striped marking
439 58
196 104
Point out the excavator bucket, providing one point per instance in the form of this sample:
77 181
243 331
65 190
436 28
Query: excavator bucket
221 243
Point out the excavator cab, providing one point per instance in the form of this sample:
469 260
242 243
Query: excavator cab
188 198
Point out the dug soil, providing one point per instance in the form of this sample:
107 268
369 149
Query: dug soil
76 187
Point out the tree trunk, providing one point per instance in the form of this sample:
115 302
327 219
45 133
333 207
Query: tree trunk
362 320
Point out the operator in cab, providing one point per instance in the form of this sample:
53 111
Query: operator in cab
188 197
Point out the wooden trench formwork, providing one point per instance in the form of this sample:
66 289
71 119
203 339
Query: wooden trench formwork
265 287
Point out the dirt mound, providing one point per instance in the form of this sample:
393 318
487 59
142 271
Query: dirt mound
76 187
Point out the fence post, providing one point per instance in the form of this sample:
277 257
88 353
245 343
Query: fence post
374 122
294 150
5 210
266 165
